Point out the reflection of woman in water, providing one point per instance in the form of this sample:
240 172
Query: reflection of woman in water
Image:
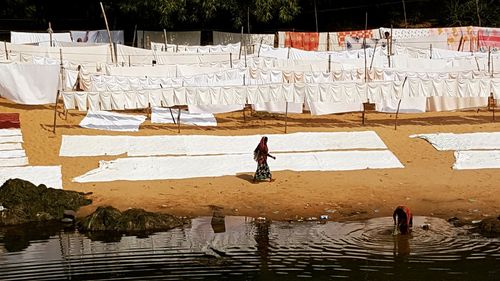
403 219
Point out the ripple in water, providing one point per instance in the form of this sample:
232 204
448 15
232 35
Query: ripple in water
243 249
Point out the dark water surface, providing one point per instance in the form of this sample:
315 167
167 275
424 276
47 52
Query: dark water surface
241 249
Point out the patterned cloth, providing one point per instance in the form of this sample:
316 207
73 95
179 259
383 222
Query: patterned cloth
308 41
263 172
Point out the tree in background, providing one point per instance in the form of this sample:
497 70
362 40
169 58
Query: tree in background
172 13
462 13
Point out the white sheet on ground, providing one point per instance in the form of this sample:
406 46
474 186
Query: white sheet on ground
13 162
112 121
164 116
74 146
10 146
181 167
49 175
10 132
469 141
11 139
17 153
467 160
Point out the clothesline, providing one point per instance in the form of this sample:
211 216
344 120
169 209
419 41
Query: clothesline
347 92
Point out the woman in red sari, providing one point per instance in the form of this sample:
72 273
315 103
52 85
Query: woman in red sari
403 219
260 154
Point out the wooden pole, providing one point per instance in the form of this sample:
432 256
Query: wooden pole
172 115
489 59
109 32
6 51
286 117
477 11
328 41
55 112
430 51
288 55
260 46
165 37
329 63
316 16
364 46
231 60
399 104
404 12
129 64
241 43
50 34
179 121
373 56
135 35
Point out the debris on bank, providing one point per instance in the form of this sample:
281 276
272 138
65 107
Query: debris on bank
23 202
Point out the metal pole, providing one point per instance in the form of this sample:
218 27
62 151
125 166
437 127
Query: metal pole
109 32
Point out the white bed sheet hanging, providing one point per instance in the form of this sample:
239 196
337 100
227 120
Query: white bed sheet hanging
29 84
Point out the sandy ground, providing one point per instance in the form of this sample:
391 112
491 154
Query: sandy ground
427 184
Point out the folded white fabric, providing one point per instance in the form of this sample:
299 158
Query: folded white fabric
181 167
49 175
279 107
10 146
469 141
14 162
73 146
16 153
112 121
165 115
10 132
466 160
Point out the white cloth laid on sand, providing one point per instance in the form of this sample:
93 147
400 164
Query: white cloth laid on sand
13 162
181 167
469 141
10 132
164 116
74 146
467 160
15 153
12 153
51 176
112 121
10 146
279 107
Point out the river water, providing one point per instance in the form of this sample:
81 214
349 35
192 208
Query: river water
240 248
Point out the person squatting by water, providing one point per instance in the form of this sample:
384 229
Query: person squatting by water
260 155
403 219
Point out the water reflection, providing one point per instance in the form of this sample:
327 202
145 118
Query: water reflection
235 248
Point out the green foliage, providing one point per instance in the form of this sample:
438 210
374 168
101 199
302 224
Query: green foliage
170 13
463 13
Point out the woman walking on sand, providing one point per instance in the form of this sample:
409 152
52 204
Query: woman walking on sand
260 155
